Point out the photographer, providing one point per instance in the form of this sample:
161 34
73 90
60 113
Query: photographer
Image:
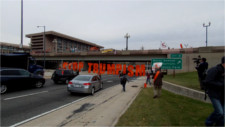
201 68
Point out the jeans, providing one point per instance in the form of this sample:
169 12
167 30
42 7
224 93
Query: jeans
217 117
148 81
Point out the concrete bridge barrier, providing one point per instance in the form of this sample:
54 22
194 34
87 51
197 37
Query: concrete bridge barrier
198 95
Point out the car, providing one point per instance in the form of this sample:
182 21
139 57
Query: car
63 75
87 84
12 78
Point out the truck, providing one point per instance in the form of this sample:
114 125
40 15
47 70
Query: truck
21 60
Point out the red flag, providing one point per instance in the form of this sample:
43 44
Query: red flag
163 44
181 46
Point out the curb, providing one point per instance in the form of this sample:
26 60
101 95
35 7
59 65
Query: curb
184 91
125 109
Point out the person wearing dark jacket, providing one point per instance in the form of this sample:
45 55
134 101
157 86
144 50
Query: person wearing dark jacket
203 66
123 80
215 87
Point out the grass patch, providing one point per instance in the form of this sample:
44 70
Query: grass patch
168 110
188 79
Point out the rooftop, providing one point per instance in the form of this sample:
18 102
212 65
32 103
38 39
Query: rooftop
14 45
63 36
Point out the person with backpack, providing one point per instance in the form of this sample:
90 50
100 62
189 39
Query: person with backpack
123 80
214 83
202 68
157 82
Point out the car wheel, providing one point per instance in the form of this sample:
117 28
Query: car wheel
3 89
93 91
39 84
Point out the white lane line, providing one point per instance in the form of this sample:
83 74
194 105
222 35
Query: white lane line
24 95
45 113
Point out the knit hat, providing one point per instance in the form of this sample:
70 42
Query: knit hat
222 60
204 59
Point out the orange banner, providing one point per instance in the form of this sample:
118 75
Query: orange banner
110 68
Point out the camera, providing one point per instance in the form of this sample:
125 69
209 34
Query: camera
197 60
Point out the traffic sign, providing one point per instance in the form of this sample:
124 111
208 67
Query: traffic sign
175 55
168 63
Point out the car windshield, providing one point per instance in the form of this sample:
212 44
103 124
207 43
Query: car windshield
82 78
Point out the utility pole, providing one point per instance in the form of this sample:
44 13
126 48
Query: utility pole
21 44
127 36
206 26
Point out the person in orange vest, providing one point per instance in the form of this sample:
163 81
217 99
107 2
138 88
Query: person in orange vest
157 76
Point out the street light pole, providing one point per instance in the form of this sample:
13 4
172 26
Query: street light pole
127 36
43 43
206 26
21 43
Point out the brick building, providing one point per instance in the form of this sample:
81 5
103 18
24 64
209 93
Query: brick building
59 43
11 48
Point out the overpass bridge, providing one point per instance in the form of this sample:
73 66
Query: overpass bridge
212 54
131 55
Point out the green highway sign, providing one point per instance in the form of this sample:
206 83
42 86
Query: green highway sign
175 55
168 63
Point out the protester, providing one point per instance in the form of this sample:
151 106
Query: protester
201 68
157 82
123 80
120 76
148 74
215 87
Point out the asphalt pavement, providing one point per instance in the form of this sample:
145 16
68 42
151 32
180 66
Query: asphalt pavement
21 105
102 109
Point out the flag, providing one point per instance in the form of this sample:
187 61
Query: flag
181 46
163 45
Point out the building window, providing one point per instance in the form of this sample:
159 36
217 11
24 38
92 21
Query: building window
59 45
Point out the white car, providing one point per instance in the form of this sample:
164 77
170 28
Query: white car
85 84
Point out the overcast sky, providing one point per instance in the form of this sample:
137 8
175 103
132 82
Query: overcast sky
105 22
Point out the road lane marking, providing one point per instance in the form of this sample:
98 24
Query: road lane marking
45 113
24 95
109 81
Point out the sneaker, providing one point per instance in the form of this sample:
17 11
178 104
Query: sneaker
155 96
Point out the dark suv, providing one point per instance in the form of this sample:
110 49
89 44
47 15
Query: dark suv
12 78
64 76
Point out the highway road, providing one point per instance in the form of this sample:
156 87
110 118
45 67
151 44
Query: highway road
17 106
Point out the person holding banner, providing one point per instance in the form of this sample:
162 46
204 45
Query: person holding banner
157 76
